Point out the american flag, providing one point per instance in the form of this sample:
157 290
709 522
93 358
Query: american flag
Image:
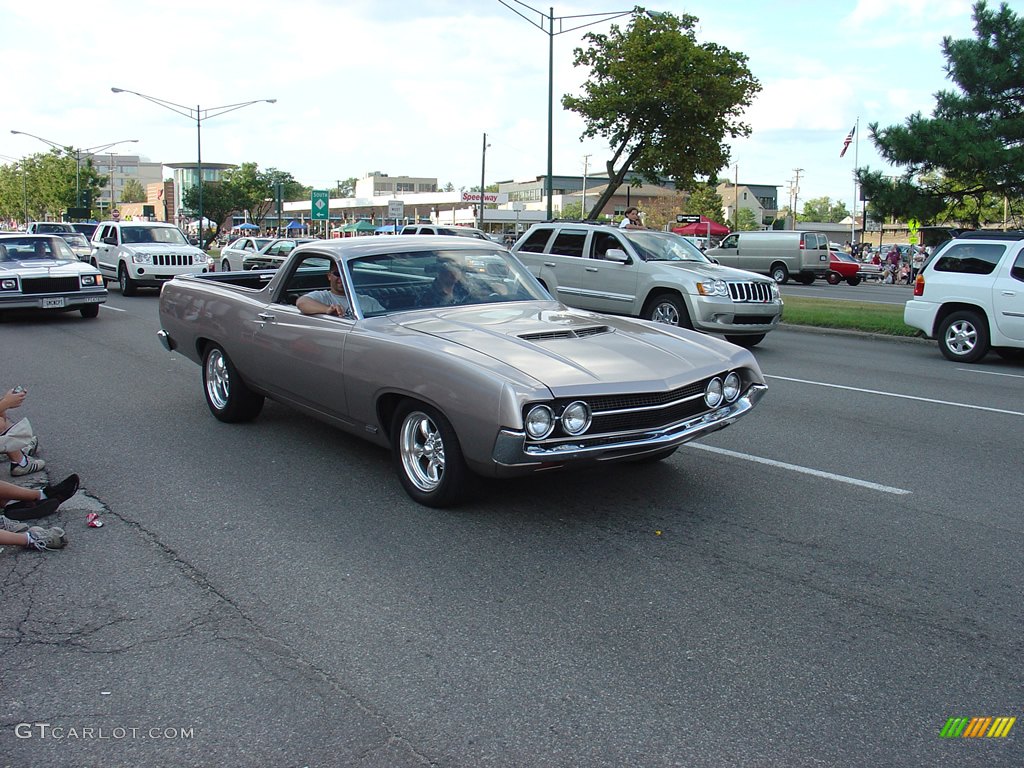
848 139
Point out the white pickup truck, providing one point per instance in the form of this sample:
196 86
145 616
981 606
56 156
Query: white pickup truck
144 254
970 296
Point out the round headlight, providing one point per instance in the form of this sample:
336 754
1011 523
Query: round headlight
540 420
713 393
731 387
576 418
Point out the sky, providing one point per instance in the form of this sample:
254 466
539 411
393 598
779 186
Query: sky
409 87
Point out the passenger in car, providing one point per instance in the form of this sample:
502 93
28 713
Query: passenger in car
447 288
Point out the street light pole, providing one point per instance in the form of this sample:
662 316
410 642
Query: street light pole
483 166
199 115
547 26
77 154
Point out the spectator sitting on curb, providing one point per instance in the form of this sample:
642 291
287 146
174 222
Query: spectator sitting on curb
20 503
16 438
43 539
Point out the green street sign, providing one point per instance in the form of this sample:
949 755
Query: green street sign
320 203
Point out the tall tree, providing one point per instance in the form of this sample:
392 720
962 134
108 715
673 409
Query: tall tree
705 201
664 102
346 187
133 192
973 145
220 200
746 220
824 210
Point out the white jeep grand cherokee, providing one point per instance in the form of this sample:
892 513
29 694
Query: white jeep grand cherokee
970 296
144 254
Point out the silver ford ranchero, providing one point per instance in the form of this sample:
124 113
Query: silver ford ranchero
456 358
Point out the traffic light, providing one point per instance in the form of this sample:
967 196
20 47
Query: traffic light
83 198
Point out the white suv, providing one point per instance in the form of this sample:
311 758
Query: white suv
144 254
970 296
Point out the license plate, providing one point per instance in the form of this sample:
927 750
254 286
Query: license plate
54 303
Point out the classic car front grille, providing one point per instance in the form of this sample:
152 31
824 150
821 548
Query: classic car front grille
754 292
578 333
49 284
648 411
172 260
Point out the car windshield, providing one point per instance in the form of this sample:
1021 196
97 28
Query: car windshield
664 246
34 249
436 278
45 228
167 235
75 239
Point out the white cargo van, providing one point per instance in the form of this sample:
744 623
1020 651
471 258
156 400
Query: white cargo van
782 254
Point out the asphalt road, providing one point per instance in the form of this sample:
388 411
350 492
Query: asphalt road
823 584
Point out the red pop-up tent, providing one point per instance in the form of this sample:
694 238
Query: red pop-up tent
705 227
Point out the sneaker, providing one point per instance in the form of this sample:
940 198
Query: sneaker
63 490
33 443
12 526
31 510
32 465
46 539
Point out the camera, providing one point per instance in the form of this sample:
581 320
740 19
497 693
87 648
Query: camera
18 389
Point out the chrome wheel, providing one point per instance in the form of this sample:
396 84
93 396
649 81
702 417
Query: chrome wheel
665 313
218 380
421 446
961 337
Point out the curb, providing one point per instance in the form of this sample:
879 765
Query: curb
849 332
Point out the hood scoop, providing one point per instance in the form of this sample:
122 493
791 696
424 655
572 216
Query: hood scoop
576 333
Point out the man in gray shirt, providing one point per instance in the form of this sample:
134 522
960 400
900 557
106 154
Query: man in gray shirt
333 301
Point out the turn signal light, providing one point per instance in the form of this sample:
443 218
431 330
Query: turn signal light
919 286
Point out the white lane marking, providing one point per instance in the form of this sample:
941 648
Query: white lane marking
116 309
991 373
902 397
802 470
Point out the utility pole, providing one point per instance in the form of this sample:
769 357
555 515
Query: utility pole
796 192
583 206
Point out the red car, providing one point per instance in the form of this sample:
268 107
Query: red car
842 266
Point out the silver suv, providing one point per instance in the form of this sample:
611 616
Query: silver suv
653 275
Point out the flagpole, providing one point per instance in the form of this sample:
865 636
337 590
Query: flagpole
856 155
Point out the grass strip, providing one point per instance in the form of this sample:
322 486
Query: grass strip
852 315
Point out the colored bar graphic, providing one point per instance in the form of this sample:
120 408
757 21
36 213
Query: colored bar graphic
977 727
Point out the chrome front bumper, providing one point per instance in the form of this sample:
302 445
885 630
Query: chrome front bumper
514 455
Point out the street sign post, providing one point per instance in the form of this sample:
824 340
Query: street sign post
320 205
684 218
396 211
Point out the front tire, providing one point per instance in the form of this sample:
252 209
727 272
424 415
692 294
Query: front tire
853 281
128 286
227 396
428 456
963 337
225 266
661 455
779 273
90 311
669 309
747 340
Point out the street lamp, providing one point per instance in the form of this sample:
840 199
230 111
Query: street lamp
198 115
77 154
549 30
483 165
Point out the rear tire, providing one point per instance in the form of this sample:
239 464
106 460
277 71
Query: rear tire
90 310
669 309
747 340
780 274
227 396
428 456
833 278
805 279
963 337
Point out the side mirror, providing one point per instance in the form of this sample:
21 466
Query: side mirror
110 240
617 255
714 260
